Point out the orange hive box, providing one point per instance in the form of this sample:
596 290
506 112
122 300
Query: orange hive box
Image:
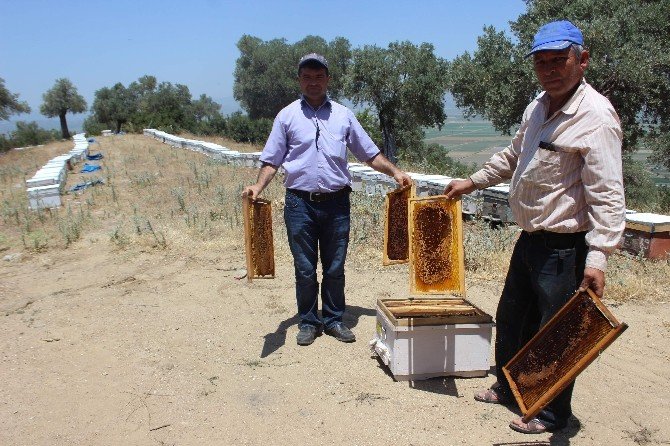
258 238
560 351
396 227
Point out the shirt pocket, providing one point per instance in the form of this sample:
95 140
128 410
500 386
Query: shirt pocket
548 168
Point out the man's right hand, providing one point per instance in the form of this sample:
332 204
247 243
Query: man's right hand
252 192
459 187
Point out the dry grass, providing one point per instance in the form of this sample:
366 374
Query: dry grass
160 198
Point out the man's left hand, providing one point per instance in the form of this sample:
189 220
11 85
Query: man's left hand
594 279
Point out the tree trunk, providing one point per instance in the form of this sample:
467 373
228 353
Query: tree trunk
63 126
390 148
118 126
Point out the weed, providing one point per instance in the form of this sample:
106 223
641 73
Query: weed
37 241
158 237
178 193
118 237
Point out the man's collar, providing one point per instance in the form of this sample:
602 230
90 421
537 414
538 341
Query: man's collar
303 100
571 106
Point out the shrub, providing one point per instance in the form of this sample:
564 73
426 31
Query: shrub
93 127
241 128
27 134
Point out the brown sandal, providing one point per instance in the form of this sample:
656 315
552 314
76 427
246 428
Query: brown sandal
534 426
490 396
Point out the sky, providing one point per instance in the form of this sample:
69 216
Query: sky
96 43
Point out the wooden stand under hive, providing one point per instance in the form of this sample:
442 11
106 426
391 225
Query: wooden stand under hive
435 332
258 239
560 351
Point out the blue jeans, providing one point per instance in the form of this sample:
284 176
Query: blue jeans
544 272
315 228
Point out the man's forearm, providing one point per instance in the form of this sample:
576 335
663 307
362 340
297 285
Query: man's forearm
381 164
265 175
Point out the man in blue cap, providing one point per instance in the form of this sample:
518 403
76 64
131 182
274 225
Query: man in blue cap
566 193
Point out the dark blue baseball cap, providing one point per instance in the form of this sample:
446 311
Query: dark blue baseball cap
555 36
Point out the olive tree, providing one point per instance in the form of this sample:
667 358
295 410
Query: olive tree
405 84
61 99
9 102
629 64
266 71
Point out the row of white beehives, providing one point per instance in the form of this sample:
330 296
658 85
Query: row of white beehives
215 151
45 187
489 203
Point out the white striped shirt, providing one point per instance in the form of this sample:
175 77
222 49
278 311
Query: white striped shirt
577 187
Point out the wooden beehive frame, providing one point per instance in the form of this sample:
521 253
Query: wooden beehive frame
432 311
259 246
445 255
553 373
396 226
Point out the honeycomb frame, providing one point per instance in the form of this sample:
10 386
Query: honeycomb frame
258 238
560 351
396 225
436 258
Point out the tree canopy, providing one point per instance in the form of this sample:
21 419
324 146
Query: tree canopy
9 102
114 105
63 97
629 64
405 84
266 71
148 103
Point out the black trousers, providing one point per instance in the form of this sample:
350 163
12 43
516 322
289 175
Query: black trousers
545 270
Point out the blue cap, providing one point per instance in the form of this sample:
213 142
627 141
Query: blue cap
556 36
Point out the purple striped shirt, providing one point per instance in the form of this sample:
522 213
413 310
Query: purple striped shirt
311 144
576 186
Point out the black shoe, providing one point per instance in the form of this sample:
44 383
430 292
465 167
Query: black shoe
340 332
307 334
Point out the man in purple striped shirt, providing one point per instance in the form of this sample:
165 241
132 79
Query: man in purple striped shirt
566 193
310 138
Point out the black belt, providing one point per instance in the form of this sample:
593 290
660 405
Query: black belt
319 196
558 239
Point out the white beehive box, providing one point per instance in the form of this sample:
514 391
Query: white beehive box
256 158
44 196
369 181
425 185
42 180
496 205
415 352
434 332
357 170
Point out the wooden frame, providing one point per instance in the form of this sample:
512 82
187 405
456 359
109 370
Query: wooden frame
258 240
437 264
396 226
415 312
560 351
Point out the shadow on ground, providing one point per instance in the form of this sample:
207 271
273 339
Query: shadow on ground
276 339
